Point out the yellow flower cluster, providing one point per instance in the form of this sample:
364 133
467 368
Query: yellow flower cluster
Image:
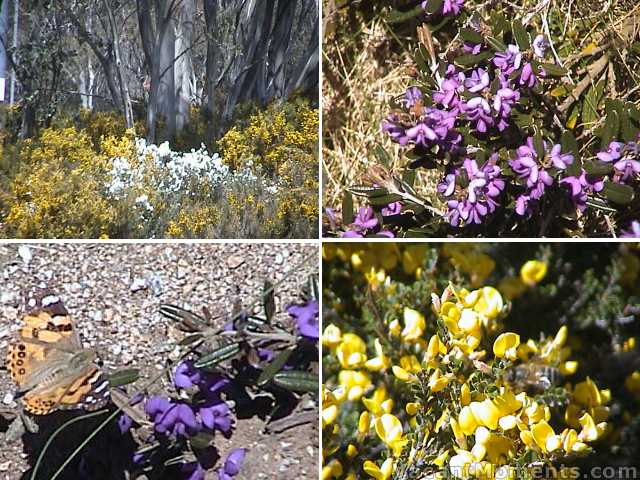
457 422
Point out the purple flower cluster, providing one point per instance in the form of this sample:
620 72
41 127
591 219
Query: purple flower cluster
365 223
179 418
307 318
581 187
449 7
625 158
472 191
232 464
512 60
536 172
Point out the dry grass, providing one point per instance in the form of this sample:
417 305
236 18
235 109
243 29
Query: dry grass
363 73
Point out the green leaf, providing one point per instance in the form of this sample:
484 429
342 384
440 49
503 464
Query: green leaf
347 208
189 339
123 377
409 177
618 193
521 36
201 440
368 191
274 367
610 129
219 355
496 44
569 144
597 168
383 200
538 145
297 381
591 102
396 16
434 6
381 154
471 35
268 300
553 70
469 60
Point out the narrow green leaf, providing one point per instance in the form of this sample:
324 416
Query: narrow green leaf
471 35
469 60
123 377
384 200
381 154
538 145
618 193
189 339
591 102
274 367
610 129
347 208
268 300
553 70
569 144
597 168
496 44
396 16
521 36
297 381
409 177
219 355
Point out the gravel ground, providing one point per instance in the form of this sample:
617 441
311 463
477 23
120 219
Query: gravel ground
113 293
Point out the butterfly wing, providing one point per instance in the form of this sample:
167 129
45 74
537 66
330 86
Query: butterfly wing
88 390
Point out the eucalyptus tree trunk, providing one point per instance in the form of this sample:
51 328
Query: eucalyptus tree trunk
211 9
4 61
184 73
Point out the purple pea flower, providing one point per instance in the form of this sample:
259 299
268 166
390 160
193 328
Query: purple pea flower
540 45
394 208
449 7
125 422
175 419
508 61
193 470
503 102
633 231
307 318
216 416
186 375
232 464
533 170
626 157
582 186
364 223
472 48
479 198
478 110
412 96
451 86
478 81
528 77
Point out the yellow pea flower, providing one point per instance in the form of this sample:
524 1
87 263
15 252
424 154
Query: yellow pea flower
489 302
590 431
414 325
395 328
378 403
364 422
410 363
467 421
354 382
486 413
545 437
434 348
332 336
389 429
352 451
465 394
380 361
401 374
412 408
506 345
329 415
352 351
532 272
437 381
568 368
379 473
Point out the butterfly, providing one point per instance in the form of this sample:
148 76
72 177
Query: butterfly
49 365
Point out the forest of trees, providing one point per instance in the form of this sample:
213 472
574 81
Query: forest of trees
159 118
154 59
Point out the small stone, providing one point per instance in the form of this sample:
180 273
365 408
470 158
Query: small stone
234 261
310 451
285 445
8 398
4 466
279 259
138 284
156 284
25 254
116 350
8 298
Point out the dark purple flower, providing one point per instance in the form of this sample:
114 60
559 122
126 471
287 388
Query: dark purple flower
582 186
508 61
307 318
124 423
216 416
473 48
633 231
365 222
176 419
193 470
186 375
472 191
451 86
394 208
534 171
232 464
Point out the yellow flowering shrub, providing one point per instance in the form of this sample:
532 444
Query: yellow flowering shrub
424 378
58 190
